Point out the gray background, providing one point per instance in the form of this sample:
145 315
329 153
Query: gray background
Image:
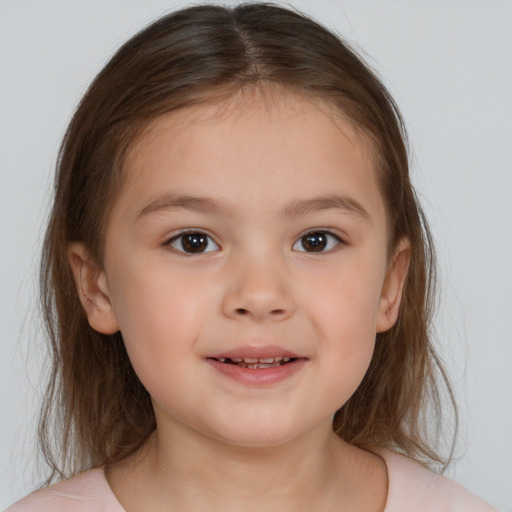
449 66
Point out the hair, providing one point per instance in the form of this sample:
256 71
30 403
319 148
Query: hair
96 411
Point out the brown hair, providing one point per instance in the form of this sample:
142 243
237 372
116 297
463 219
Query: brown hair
96 410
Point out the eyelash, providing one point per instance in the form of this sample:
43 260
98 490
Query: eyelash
328 234
188 233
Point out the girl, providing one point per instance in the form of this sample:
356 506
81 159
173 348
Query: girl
237 282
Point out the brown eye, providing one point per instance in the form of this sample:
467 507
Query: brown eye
317 241
193 243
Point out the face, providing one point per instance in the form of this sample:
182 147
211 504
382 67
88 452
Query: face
246 267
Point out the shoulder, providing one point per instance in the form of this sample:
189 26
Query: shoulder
413 487
86 492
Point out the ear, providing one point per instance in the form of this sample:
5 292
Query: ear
93 290
393 286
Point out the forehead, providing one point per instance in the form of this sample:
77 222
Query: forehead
250 143
240 106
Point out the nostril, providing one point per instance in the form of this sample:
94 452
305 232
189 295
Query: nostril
244 312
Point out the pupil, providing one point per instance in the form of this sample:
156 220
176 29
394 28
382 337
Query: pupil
314 242
194 242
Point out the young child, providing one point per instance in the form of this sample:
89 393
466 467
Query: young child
237 282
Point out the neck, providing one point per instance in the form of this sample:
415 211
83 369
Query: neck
183 470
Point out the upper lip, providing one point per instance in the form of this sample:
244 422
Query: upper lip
256 352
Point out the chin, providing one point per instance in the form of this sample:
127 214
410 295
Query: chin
258 434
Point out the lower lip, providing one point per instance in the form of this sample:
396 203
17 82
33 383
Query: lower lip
258 376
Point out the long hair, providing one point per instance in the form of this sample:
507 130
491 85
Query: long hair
96 410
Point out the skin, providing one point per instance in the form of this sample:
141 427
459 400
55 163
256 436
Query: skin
221 444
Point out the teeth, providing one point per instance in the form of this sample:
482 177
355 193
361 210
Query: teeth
263 360
254 362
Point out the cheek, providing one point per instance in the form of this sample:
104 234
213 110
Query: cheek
344 317
160 315
344 300
348 351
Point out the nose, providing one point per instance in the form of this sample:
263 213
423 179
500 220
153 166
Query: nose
258 290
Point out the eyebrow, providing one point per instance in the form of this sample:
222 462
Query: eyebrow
211 206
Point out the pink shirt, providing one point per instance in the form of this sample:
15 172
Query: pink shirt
412 488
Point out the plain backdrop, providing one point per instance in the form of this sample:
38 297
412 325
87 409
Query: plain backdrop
449 66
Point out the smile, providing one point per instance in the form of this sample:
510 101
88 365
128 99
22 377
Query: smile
256 363
257 366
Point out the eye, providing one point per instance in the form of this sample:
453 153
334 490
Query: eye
317 241
193 243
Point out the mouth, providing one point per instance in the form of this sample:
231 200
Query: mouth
257 366
254 363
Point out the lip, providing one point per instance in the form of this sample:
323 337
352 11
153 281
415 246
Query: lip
257 377
262 352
